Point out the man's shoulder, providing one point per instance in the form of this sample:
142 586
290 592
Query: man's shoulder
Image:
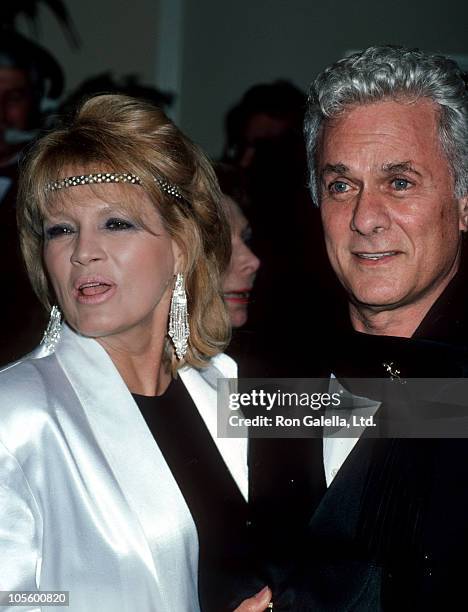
276 355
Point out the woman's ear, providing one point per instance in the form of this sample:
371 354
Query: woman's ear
179 258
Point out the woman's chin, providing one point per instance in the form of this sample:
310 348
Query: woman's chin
238 317
89 329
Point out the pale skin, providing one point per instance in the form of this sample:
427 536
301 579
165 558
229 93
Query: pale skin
239 278
113 277
392 222
257 603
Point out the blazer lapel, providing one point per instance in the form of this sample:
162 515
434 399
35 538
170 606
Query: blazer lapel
202 387
122 434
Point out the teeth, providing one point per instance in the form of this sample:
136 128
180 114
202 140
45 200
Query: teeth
237 294
89 285
375 256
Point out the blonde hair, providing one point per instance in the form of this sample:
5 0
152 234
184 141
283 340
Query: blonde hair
122 134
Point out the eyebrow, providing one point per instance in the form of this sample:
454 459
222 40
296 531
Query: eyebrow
66 211
338 168
388 168
395 167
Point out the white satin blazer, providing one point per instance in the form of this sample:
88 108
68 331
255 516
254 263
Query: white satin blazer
87 502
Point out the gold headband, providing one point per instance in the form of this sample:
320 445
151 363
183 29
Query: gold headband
113 177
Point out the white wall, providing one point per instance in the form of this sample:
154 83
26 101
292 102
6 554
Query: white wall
117 35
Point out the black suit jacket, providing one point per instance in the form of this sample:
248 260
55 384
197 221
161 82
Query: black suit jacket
391 532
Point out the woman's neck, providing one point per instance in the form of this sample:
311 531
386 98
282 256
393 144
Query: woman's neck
140 363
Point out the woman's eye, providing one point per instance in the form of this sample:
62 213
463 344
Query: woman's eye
55 231
247 236
338 187
400 184
118 224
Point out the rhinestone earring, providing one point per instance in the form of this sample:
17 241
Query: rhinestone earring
179 331
52 333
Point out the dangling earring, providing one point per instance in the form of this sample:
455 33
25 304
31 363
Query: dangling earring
52 333
178 318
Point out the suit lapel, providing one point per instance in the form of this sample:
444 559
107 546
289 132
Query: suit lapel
202 387
131 452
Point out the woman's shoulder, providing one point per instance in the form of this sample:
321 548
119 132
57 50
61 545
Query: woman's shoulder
219 366
31 405
24 390
225 364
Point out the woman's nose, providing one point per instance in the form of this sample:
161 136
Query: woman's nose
87 248
251 262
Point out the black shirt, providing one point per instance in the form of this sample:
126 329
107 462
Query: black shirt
215 502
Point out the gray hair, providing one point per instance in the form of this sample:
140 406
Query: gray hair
397 73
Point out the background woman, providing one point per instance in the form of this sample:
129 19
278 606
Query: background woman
239 277
114 485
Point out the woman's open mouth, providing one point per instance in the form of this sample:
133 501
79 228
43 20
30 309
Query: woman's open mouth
94 291
239 297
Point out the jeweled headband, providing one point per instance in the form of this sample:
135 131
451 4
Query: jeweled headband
114 177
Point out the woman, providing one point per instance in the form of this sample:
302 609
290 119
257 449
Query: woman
123 234
240 275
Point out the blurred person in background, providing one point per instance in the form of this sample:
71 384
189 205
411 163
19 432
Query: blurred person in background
264 140
28 73
107 83
266 113
239 278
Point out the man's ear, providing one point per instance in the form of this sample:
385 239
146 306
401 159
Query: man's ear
463 213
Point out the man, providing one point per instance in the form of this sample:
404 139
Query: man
387 135
387 138
390 174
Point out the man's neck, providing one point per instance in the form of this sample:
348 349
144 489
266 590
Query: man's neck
384 323
402 321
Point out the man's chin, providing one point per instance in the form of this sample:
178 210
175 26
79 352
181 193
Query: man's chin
378 303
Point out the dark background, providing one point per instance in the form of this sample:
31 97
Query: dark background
210 51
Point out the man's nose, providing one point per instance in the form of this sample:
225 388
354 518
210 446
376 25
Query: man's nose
370 214
87 249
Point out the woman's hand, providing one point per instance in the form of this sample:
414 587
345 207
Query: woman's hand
257 603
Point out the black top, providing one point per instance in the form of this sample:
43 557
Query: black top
215 502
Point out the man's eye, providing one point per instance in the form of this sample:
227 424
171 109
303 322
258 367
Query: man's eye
338 187
400 184
118 225
55 231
